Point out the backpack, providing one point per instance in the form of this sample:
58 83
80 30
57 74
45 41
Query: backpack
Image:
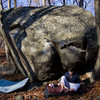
54 90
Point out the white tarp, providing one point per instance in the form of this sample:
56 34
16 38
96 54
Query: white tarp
7 86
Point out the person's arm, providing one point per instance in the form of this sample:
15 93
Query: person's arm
66 75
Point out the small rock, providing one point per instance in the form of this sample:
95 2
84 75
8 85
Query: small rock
7 70
89 74
19 97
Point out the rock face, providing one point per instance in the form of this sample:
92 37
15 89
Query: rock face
1 42
53 38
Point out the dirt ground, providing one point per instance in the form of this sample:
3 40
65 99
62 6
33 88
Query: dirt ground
92 90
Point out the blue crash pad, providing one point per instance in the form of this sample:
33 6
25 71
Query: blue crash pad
7 86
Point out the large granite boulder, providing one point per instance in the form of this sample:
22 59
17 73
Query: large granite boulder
53 38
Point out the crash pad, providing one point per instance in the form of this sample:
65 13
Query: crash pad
7 86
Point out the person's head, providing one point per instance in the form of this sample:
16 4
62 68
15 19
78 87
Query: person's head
70 70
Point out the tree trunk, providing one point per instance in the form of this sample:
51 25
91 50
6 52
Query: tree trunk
9 4
76 2
9 57
30 3
38 3
64 3
44 2
96 72
1 5
49 2
15 3
81 3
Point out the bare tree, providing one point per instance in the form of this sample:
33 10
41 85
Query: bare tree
87 3
96 73
64 3
30 2
9 4
38 3
77 2
1 5
49 2
44 2
15 3
81 3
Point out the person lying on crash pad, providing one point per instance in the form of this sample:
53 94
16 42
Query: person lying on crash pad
71 80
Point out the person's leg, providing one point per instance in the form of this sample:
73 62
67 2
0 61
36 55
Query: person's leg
74 86
64 82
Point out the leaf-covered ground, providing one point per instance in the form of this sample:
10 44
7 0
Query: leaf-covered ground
92 90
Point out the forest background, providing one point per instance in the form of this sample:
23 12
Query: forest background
86 4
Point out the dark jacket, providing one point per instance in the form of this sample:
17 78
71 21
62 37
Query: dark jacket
72 78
